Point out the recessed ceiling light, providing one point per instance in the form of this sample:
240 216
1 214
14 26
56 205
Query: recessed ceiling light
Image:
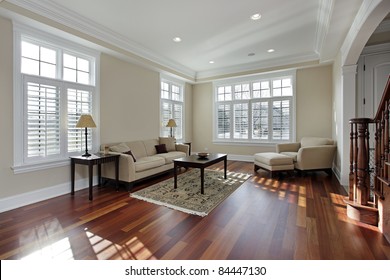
211 61
255 17
251 54
271 50
177 39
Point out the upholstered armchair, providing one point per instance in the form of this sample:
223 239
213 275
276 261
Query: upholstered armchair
312 153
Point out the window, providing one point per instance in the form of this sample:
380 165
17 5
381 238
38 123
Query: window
172 107
54 85
255 110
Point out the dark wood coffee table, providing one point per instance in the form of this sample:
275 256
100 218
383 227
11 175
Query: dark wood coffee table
195 162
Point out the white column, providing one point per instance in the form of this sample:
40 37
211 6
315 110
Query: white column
349 111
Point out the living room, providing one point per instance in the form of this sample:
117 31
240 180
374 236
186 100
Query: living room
128 105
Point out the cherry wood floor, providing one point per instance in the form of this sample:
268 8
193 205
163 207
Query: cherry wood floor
289 218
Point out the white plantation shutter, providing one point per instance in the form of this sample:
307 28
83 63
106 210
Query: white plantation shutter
260 120
241 121
224 114
178 117
166 114
281 120
42 124
79 102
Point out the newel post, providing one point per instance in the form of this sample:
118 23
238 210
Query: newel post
358 202
362 191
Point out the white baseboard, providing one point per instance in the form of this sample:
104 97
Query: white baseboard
16 201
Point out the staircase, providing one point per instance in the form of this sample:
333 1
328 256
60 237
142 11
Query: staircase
369 200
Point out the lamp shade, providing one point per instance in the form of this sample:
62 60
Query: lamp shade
85 121
171 123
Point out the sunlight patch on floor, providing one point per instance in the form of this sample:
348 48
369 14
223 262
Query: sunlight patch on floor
60 250
104 249
43 239
302 196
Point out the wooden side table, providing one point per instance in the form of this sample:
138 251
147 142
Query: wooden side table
95 159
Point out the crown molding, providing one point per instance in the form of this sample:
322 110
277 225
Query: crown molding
232 70
72 20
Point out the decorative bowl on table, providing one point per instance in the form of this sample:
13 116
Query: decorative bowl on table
203 155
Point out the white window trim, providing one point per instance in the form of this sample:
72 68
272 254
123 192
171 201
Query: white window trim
250 79
180 84
21 30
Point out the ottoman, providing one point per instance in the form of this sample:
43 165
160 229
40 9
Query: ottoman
273 162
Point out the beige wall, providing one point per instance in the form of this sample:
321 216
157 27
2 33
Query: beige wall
130 102
314 102
314 112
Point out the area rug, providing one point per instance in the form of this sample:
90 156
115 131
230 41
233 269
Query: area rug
187 197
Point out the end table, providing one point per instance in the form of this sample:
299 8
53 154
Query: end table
95 159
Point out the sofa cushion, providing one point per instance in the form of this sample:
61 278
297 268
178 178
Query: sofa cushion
315 141
170 156
120 148
146 163
169 143
137 148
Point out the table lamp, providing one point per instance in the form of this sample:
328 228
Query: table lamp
86 121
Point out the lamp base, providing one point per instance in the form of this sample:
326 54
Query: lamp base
86 154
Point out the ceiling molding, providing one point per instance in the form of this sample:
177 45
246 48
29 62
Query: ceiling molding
70 19
301 58
324 16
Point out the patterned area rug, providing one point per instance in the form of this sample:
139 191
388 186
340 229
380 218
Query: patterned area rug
187 197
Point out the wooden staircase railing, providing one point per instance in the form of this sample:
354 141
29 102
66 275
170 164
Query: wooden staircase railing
368 180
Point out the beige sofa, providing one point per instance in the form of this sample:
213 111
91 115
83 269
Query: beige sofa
139 159
312 153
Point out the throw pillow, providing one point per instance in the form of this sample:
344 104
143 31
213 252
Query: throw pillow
169 142
161 149
129 152
120 148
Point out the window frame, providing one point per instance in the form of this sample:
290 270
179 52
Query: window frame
181 86
252 100
25 33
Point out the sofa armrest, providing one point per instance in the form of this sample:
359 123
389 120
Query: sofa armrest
183 148
126 168
287 147
316 157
